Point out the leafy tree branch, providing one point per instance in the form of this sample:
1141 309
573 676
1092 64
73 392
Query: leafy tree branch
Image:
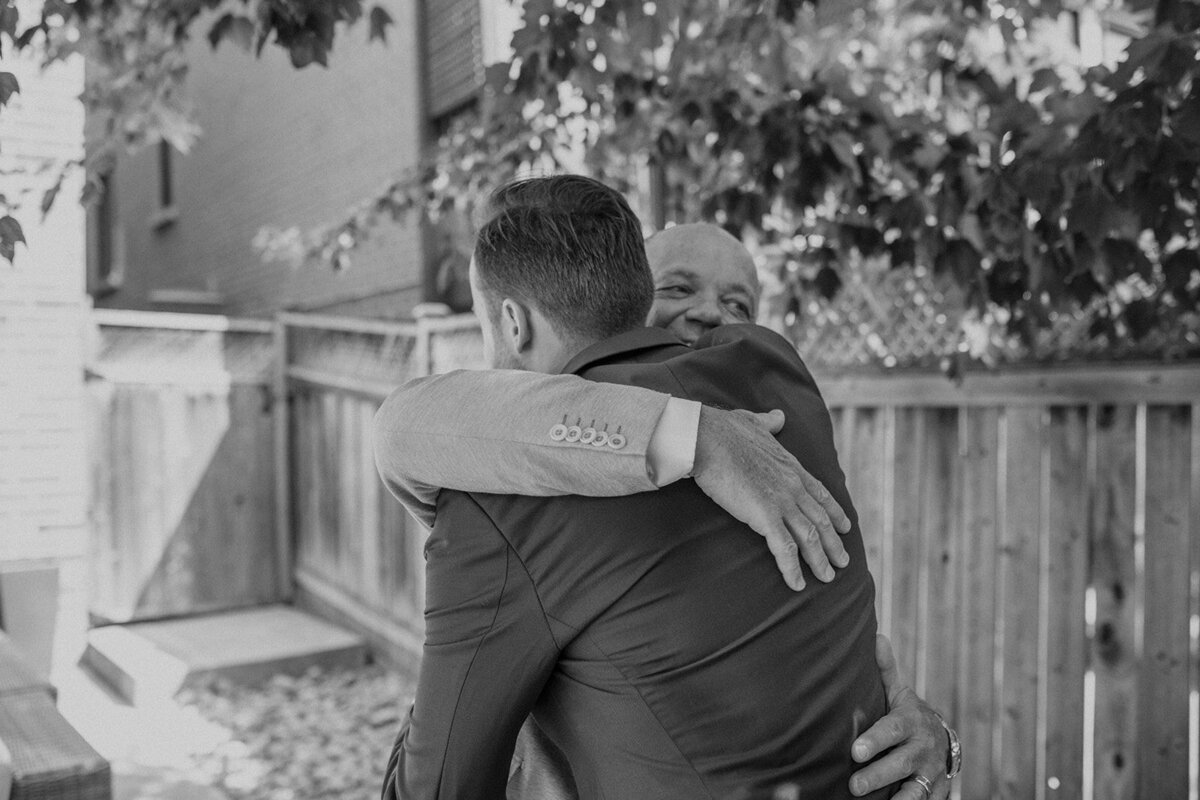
950 136
133 93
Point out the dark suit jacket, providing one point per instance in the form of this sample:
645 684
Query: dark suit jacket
651 636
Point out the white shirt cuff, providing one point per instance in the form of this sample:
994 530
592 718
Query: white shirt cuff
671 453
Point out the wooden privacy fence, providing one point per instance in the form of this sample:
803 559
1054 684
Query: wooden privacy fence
182 496
358 555
1034 534
1035 538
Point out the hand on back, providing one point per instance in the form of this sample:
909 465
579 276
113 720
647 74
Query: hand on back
741 466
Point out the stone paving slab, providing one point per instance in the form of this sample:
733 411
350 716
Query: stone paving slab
157 659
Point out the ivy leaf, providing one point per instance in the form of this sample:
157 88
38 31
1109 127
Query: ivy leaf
1187 124
1140 317
9 15
1089 214
959 259
10 235
1044 78
1083 287
786 9
241 33
27 35
50 194
1124 257
307 49
348 10
827 281
8 87
1145 53
843 149
970 229
378 21
1007 282
217 32
1178 269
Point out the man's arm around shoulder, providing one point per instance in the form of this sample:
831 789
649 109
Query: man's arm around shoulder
497 431
494 431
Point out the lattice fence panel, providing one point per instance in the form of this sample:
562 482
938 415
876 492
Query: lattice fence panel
894 318
910 318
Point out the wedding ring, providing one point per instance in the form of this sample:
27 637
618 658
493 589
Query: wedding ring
925 784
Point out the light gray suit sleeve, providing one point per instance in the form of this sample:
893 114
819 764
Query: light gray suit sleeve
494 431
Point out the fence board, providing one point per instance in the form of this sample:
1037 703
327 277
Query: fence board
903 568
863 459
325 477
304 436
369 497
1067 573
1115 581
349 519
400 563
938 657
838 419
1194 605
976 682
1163 701
1019 607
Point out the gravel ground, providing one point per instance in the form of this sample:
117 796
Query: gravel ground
322 735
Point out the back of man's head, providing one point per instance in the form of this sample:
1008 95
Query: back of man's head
570 246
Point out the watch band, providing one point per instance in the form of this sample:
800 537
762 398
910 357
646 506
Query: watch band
954 757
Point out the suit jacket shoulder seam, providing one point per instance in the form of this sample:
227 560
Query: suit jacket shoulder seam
512 553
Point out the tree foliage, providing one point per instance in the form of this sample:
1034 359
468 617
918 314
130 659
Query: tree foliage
955 136
136 64
958 136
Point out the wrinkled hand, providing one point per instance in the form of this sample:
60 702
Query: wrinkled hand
912 736
749 474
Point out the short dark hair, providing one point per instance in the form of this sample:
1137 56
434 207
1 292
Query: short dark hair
570 246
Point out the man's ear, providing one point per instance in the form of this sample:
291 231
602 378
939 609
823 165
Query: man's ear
516 325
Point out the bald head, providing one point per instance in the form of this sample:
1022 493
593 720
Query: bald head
703 277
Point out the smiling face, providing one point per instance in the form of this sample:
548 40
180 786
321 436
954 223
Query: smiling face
703 277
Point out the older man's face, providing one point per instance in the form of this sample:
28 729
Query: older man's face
702 279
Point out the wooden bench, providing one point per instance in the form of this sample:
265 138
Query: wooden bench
46 759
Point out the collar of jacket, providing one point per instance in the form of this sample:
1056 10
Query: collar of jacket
623 344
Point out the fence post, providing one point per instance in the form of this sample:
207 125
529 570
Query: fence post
281 410
424 365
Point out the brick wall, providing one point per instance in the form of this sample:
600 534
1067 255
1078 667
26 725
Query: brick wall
42 487
43 473
279 147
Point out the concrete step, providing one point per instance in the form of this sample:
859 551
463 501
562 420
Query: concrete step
151 660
